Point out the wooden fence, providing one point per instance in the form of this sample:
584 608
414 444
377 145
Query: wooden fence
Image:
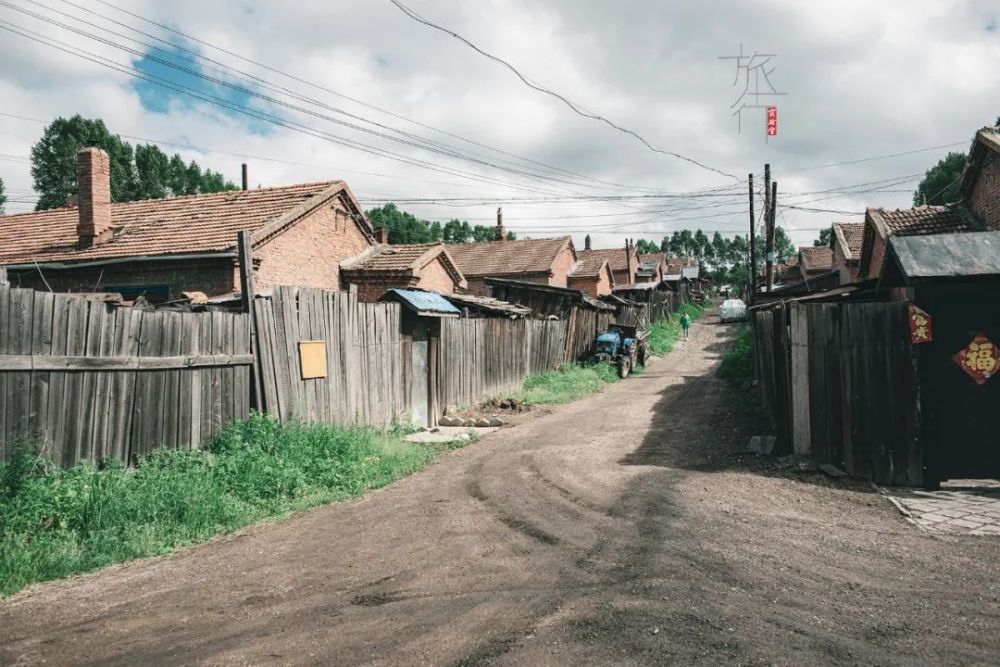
483 358
840 381
88 381
364 379
583 325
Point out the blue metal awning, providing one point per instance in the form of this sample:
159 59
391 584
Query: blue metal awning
430 304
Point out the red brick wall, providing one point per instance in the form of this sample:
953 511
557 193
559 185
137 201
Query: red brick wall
434 276
372 289
985 196
561 267
878 257
213 277
309 253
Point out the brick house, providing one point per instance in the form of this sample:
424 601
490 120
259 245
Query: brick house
815 261
163 247
880 224
847 238
427 266
592 276
978 209
623 261
651 268
980 185
542 261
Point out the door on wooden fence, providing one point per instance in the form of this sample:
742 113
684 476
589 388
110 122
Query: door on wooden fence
962 415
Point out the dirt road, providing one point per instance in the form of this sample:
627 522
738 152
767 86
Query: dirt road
616 530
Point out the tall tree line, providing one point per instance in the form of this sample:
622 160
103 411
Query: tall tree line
140 172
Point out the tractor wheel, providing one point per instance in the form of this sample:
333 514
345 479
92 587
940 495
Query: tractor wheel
643 354
624 366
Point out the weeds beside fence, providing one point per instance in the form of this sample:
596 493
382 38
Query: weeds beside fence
737 362
567 383
55 523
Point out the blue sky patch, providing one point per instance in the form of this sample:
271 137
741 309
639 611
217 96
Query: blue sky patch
183 71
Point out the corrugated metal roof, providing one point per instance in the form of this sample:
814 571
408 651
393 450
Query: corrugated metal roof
429 303
943 255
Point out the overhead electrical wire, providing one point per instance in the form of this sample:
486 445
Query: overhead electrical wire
542 89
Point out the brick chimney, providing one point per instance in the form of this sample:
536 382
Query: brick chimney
382 235
93 184
586 242
500 234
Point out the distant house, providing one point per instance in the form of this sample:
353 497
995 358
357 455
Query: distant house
426 266
542 261
847 239
160 248
592 276
652 267
814 261
623 261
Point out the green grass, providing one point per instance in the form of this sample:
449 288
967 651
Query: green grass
737 363
567 383
664 333
54 523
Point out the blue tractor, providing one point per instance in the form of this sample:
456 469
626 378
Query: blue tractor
621 345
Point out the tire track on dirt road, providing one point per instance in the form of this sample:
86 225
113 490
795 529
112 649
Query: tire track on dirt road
615 529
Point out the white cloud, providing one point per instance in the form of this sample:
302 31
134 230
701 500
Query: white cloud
862 78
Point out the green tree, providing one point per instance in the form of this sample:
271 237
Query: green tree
783 246
825 238
644 247
3 196
456 231
699 245
940 183
53 160
142 173
152 168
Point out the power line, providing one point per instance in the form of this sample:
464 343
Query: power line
576 109
327 90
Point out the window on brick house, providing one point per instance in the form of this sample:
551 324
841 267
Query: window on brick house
152 293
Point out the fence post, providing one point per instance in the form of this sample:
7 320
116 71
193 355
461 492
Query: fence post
245 250
3 276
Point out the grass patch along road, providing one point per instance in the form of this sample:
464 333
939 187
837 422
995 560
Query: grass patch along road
55 523
567 383
737 363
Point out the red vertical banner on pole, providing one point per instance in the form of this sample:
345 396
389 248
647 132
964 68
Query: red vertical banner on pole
772 121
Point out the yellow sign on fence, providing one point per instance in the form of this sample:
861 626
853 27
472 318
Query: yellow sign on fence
312 359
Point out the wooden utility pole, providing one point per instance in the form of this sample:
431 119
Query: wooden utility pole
753 241
767 225
773 202
245 253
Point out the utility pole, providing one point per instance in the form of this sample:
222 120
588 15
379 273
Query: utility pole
766 211
753 250
770 234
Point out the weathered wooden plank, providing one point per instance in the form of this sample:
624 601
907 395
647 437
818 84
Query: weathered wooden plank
18 391
41 344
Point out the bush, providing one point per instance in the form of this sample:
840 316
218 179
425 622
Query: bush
737 363
54 523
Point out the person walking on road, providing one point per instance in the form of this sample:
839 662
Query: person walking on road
686 324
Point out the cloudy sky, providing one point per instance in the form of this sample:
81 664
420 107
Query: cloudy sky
357 90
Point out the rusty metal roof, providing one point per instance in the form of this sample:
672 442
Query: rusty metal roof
948 255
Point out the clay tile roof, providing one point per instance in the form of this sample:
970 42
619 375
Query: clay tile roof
589 267
850 236
393 258
927 220
816 260
615 257
506 258
175 225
